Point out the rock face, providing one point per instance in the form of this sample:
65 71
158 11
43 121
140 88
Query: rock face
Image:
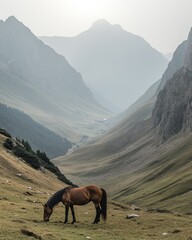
188 56
175 64
173 108
150 96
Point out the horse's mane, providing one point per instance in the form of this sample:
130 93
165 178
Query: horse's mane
57 197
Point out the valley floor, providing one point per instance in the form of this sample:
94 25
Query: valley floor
22 212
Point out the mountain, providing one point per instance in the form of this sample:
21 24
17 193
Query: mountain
22 126
147 101
175 64
117 64
172 112
146 158
38 81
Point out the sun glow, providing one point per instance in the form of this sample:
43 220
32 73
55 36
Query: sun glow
88 7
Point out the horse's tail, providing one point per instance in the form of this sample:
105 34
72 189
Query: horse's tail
103 204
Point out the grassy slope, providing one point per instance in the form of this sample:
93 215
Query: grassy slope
20 207
164 183
142 172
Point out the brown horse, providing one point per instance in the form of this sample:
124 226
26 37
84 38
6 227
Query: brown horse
70 196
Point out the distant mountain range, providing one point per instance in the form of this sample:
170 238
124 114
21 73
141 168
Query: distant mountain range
115 63
146 158
40 82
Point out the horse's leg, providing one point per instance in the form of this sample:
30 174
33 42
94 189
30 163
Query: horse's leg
98 212
73 214
66 213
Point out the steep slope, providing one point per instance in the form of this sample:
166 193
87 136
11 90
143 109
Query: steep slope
109 58
22 126
172 112
35 79
175 64
148 99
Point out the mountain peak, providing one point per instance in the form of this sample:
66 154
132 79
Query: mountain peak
12 19
101 23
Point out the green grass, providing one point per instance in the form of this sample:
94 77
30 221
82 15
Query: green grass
21 199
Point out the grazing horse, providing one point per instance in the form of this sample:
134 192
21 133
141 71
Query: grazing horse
70 196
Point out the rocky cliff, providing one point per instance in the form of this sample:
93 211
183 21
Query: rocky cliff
173 108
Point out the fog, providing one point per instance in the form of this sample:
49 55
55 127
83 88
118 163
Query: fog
163 23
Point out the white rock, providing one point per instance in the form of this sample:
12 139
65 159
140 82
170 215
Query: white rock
129 216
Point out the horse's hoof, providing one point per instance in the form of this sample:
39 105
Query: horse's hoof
73 222
65 222
95 223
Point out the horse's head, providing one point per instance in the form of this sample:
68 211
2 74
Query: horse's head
47 212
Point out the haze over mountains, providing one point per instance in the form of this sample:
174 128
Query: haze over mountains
146 159
117 64
38 81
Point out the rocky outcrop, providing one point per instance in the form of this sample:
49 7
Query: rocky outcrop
175 64
173 108
188 56
173 105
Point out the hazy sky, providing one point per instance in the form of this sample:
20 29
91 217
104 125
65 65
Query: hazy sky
163 23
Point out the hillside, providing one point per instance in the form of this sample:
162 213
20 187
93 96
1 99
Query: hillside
24 189
22 126
40 82
109 58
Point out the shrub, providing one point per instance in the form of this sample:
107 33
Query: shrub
29 157
5 133
8 144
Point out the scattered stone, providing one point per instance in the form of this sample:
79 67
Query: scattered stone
30 234
133 207
130 216
165 234
19 174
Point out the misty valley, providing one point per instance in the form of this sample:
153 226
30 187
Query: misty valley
101 108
